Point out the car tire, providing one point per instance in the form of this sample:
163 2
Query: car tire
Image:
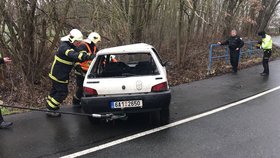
164 116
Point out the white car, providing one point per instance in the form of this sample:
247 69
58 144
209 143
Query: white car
127 79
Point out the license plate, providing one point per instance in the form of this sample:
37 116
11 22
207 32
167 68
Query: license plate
126 104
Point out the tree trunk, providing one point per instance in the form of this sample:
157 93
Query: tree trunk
179 31
229 16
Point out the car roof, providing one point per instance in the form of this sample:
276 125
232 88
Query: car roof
132 48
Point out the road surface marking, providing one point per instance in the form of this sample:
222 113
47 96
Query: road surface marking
192 118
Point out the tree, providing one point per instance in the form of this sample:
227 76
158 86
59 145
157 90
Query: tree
268 8
179 31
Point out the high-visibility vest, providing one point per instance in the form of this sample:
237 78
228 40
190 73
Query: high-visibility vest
267 42
85 65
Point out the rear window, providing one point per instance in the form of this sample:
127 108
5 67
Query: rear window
124 65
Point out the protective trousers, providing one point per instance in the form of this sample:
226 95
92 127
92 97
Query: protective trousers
234 59
57 94
79 92
266 56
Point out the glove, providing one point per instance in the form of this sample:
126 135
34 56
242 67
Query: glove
78 68
90 57
85 57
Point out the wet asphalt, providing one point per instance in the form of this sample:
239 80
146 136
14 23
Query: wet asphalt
250 130
247 130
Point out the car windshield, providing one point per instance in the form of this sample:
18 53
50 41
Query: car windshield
124 65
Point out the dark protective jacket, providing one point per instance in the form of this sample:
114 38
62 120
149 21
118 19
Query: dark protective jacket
64 61
1 60
233 42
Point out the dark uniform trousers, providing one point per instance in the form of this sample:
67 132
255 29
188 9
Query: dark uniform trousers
266 56
234 59
1 117
79 92
57 94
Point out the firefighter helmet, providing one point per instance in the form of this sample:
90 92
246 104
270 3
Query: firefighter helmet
93 37
74 35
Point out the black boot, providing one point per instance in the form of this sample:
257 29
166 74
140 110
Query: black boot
4 125
76 102
265 67
264 74
52 113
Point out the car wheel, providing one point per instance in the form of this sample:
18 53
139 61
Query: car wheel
164 116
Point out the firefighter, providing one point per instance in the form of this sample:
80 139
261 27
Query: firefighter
4 124
63 63
87 46
266 45
234 43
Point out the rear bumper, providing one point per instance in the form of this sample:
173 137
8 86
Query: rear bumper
151 102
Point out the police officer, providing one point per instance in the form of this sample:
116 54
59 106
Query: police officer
4 124
63 63
266 45
87 46
234 43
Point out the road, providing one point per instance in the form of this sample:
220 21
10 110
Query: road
248 129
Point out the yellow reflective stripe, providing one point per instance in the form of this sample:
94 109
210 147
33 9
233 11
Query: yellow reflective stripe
83 51
53 66
63 61
80 56
54 101
57 80
51 104
67 51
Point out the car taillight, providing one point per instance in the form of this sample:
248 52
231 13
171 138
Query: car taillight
90 92
160 87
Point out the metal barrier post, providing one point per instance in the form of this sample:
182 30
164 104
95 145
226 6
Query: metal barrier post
227 55
210 58
240 54
250 48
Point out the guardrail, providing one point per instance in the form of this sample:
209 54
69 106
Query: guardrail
250 51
